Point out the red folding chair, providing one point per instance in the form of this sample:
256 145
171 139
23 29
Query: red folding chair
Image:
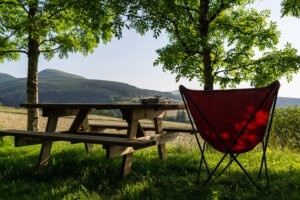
232 121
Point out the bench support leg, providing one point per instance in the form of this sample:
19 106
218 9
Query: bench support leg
47 145
45 154
162 151
81 122
158 130
126 164
86 127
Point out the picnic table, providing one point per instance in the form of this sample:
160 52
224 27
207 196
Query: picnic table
115 144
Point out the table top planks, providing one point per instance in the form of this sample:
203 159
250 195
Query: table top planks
103 106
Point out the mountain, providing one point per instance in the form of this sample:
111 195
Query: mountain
60 87
285 102
53 73
5 77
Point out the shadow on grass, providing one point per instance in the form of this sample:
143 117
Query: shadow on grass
73 174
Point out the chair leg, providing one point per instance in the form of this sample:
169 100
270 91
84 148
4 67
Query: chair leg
199 170
267 174
215 169
232 158
230 161
202 159
244 170
264 164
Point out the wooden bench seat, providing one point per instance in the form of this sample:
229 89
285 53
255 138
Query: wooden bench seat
106 140
99 127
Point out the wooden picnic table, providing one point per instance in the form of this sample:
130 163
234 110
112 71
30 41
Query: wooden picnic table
131 113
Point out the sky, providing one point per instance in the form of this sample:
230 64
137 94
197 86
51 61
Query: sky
130 59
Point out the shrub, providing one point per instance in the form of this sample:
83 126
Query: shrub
286 128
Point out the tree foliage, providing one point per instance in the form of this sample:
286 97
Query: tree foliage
61 27
49 27
181 116
286 128
216 42
290 8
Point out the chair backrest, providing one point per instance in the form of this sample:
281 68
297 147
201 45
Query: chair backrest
231 120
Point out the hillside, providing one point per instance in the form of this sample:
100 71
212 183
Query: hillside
53 73
5 77
57 87
285 102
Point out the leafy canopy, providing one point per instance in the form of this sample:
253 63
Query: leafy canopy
290 8
60 26
50 27
220 41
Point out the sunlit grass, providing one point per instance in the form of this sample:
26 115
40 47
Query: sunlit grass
73 174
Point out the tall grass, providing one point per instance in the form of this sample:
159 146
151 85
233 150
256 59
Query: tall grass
73 174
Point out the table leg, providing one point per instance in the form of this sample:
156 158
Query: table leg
85 127
126 164
46 146
161 147
128 158
79 120
81 123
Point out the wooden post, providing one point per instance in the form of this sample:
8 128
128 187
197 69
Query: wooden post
133 124
81 123
126 164
46 146
158 130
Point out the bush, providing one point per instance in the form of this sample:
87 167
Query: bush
285 131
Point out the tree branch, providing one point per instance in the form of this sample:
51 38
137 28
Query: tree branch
189 10
12 51
51 50
222 7
243 66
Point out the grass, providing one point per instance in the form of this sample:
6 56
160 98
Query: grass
73 174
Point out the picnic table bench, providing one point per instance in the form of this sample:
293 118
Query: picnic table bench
80 130
101 127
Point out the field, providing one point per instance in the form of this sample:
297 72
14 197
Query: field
73 174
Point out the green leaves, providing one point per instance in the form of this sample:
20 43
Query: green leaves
60 26
216 42
49 27
276 64
290 8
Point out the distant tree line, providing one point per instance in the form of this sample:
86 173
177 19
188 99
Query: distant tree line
181 116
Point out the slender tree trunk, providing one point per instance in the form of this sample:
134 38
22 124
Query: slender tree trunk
32 73
32 89
206 49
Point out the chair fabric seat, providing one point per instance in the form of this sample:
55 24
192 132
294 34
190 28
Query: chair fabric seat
232 121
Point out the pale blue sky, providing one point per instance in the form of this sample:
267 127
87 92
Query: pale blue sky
130 60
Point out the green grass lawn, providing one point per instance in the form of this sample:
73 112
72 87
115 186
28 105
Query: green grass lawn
73 174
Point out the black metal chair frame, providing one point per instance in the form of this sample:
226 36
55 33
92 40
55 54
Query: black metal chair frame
233 157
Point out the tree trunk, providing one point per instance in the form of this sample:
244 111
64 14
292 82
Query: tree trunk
32 90
32 73
206 49
208 77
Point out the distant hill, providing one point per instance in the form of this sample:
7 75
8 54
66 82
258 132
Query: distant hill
58 87
53 73
5 77
285 102
281 101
